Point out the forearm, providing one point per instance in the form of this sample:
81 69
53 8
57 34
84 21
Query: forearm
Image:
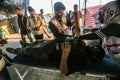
112 29
90 36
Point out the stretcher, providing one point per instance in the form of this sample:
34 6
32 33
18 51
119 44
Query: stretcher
45 70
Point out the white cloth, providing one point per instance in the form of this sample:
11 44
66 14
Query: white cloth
113 44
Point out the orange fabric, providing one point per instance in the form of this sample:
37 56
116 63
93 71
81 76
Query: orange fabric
57 26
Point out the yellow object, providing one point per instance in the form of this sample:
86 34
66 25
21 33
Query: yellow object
107 38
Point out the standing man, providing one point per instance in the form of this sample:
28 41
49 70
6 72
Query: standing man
76 21
56 24
35 24
59 30
44 22
22 22
42 16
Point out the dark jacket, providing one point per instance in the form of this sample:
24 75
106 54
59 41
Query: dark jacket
22 22
54 24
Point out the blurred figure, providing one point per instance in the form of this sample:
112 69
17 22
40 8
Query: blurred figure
44 22
22 22
68 19
76 21
42 16
41 12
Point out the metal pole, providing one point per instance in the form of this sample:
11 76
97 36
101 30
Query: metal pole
100 2
79 5
25 6
52 5
85 13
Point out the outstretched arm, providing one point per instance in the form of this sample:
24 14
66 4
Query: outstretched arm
112 29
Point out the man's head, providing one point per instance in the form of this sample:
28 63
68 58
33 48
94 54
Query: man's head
41 11
59 9
18 11
75 8
31 11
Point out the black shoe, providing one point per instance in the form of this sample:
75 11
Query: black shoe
10 50
8 61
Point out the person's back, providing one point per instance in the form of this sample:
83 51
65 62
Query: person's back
76 21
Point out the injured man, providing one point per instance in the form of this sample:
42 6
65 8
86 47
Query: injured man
72 52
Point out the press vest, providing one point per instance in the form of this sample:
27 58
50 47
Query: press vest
60 26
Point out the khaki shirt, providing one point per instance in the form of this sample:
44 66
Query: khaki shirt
34 23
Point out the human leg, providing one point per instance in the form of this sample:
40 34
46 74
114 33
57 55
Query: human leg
38 51
23 36
105 67
29 37
65 53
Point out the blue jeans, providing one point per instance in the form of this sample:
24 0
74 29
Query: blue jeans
107 66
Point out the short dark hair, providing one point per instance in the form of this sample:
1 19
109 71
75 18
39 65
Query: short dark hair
41 9
17 8
75 5
30 9
59 6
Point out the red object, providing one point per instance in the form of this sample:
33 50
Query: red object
90 19
58 26
113 45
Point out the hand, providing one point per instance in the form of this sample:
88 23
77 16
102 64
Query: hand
38 28
49 36
3 42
